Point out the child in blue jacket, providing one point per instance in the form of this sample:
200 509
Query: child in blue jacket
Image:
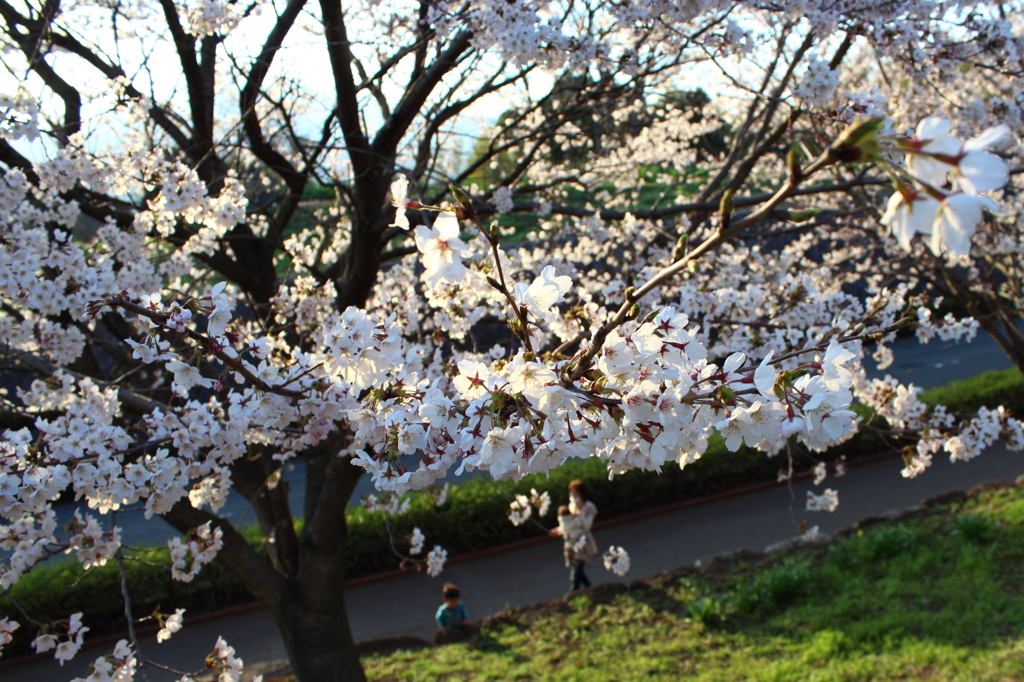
450 614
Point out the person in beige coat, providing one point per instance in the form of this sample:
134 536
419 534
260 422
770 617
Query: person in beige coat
574 523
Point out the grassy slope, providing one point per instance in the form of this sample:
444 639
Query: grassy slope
929 598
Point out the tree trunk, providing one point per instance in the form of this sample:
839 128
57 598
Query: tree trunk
310 612
314 626
1008 336
308 605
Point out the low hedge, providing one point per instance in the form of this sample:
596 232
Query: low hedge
998 387
472 519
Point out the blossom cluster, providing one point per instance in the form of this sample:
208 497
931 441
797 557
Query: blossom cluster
225 664
188 558
119 666
827 501
521 508
7 626
170 625
616 560
436 559
92 545
211 17
416 541
654 398
901 407
65 638
925 206
819 84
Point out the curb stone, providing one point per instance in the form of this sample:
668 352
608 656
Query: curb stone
664 577
389 645
799 542
724 563
527 614
952 497
988 486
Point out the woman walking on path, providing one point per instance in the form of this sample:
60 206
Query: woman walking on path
574 528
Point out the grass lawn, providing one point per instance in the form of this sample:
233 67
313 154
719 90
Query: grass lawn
933 597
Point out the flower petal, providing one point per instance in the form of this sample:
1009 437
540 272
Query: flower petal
987 138
982 172
932 127
447 225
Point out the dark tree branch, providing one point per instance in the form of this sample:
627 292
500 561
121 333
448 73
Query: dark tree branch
339 51
199 82
275 161
32 44
237 555
133 402
390 135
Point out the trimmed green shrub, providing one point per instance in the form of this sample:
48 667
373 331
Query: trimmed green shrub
55 590
989 389
472 519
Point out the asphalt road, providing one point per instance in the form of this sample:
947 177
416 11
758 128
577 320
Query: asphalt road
940 362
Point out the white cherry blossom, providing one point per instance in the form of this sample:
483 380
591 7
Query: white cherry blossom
400 200
171 625
442 250
827 501
932 138
616 560
907 218
978 170
957 219
436 559
416 542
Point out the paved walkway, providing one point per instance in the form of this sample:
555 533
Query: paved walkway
405 605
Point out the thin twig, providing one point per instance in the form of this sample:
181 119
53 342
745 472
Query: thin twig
128 606
122 301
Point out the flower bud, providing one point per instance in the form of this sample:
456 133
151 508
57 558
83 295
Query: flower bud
859 142
803 215
793 163
464 210
727 205
680 249
458 194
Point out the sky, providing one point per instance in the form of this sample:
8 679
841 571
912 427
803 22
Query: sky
303 59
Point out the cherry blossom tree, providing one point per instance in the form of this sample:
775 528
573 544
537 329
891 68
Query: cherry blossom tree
176 321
